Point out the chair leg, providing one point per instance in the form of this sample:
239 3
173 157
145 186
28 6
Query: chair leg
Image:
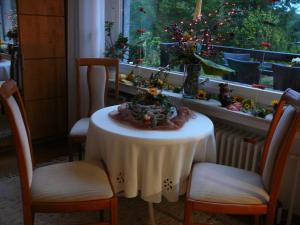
114 212
80 151
101 215
70 149
256 220
270 219
188 210
28 217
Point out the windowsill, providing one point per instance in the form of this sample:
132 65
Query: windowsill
263 97
260 96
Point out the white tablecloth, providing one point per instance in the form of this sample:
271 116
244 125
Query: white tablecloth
4 70
156 163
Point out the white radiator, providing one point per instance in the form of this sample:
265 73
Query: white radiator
238 148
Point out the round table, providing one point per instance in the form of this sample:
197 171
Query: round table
4 70
154 163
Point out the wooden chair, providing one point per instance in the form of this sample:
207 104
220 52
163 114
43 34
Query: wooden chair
97 91
64 187
227 190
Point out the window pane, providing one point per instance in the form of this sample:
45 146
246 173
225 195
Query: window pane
262 37
8 18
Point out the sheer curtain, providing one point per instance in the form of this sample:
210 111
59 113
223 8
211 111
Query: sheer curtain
86 38
91 28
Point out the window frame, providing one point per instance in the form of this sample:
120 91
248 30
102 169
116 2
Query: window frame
264 97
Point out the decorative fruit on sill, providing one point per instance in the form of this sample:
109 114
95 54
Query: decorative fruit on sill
236 107
259 86
130 76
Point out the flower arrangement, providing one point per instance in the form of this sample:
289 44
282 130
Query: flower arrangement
187 43
160 79
197 35
296 61
248 106
202 95
157 80
152 107
240 104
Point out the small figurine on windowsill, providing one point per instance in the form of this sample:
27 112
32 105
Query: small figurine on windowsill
225 95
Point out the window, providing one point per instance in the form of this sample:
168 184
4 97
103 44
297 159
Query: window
262 37
8 21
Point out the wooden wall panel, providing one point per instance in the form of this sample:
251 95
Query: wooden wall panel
42 7
44 78
42 41
42 36
47 118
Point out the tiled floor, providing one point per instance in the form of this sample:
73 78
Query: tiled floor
44 152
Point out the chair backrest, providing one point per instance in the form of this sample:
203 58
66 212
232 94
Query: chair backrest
238 56
246 71
97 75
279 140
14 108
286 76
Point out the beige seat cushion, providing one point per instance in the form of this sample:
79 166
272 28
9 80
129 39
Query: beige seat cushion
224 184
80 128
69 182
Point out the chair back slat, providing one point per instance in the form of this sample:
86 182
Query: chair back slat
97 77
98 85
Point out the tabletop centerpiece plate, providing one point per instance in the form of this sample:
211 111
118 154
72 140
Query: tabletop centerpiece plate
151 110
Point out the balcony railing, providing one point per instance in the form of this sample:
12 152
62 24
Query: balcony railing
288 77
258 55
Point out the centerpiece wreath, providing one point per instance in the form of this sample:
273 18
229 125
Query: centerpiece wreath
150 109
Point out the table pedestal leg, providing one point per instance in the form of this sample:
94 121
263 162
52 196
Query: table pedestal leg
151 213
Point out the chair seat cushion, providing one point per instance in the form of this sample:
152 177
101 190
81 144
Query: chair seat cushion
80 128
229 185
70 182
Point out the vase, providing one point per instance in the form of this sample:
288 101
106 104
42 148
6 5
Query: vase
191 82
